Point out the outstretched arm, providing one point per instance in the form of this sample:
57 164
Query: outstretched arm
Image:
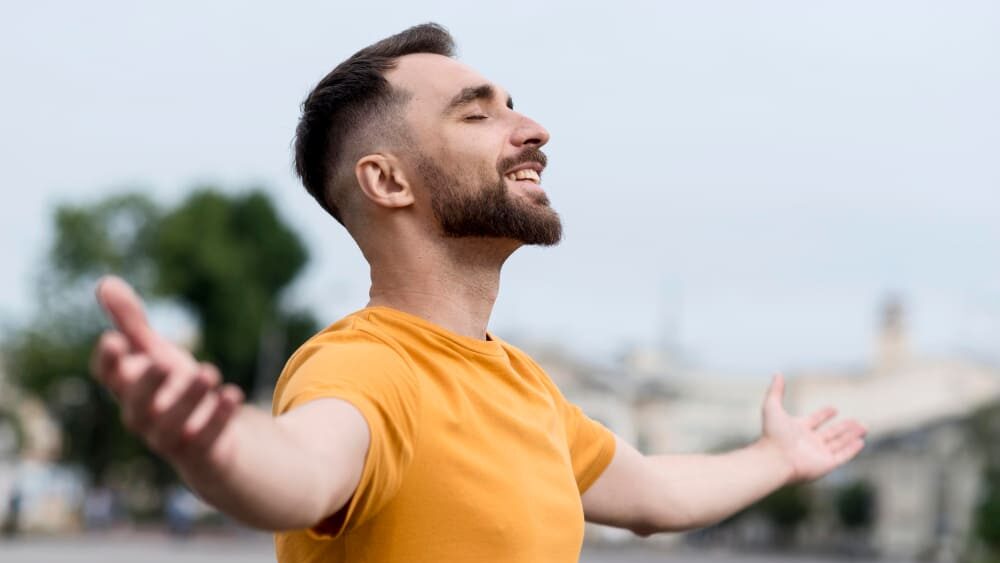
271 473
649 494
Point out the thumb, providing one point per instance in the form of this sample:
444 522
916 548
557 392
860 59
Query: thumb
776 392
124 307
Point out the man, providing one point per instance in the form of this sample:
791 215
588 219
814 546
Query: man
406 431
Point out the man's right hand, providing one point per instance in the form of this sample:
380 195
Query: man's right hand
274 473
177 405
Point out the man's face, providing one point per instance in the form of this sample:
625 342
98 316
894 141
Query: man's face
478 160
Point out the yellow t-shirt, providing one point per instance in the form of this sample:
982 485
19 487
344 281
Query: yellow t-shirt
474 456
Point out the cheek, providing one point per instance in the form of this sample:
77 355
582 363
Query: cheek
472 167
479 145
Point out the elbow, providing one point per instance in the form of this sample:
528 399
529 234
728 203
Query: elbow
643 526
643 530
646 530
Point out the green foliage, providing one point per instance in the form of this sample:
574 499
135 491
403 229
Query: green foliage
227 259
988 512
224 258
855 505
49 357
984 427
787 507
110 236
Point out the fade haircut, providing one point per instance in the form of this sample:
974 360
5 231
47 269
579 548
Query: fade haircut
353 109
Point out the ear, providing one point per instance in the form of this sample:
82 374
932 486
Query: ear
383 181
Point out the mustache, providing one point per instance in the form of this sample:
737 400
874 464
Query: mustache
527 155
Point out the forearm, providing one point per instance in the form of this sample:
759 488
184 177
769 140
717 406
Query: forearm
649 494
259 474
692 491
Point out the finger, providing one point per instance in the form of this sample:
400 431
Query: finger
776 392
229 399
820 417
179 383
110 348
168 430
138 399
125 373
124 307
833 431
179 378
232 394
849 450
851 432
851 427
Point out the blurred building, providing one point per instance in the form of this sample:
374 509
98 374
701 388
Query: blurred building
920 459
9 443
36 494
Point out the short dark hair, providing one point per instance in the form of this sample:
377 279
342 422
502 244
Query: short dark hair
354 98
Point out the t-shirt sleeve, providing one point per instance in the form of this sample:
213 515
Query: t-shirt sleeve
367 372
591 445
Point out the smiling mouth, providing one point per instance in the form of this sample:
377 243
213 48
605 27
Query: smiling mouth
526 174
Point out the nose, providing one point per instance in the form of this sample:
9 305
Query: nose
530 133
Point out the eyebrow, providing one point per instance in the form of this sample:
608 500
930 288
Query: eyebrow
472 93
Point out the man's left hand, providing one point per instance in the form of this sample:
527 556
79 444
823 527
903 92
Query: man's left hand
811 447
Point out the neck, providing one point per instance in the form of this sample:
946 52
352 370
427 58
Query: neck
453 286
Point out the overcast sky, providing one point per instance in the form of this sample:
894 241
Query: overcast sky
746 179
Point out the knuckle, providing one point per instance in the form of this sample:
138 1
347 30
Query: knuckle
156 372
188 439
199 383
209 374
106 339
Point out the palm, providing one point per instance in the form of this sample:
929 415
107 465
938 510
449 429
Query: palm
810 446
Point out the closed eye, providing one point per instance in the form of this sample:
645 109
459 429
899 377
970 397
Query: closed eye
476 117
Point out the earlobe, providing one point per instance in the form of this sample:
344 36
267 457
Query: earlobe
382 182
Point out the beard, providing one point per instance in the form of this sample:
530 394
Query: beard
488 210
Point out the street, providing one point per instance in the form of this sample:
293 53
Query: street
255 548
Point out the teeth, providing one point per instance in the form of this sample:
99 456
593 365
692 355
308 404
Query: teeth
526 174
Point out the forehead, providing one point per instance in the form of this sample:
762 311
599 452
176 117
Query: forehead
433 79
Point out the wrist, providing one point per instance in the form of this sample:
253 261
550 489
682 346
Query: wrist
777 459
213 462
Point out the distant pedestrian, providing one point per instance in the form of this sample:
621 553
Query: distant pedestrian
12 524
98 508
181 509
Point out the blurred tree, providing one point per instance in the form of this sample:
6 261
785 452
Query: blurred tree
224 258
112 235
855 504
985 430
787 508
49 357
227 259
988 512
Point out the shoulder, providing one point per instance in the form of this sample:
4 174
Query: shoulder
529 367
351 353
